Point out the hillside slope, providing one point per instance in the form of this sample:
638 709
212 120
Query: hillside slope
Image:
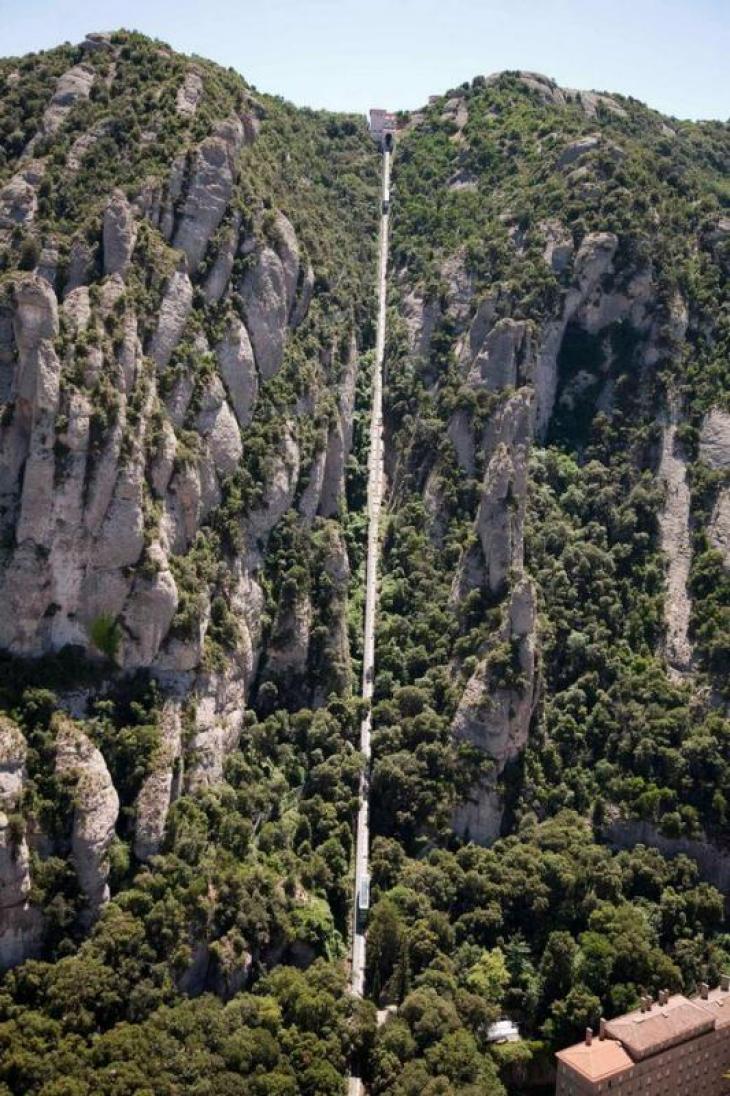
187 272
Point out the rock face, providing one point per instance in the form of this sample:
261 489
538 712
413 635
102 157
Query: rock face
96 808
209 191
516 362
495 712
21 925
145 457
19 198
677 547
715 452
174 311
340 440
264 292
161 787
719 529
593 260
238 369
189 94
119 234
73 85
501 358
715 439
713 863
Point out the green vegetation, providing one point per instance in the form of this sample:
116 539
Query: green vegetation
105 635
219 966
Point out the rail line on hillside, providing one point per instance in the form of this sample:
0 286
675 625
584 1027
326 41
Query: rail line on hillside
376 483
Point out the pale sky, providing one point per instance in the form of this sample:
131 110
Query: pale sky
350 55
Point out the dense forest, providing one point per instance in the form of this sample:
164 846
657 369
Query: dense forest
187 311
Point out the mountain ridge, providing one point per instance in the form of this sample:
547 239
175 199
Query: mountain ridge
187 323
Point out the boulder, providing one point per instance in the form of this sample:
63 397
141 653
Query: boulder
19 199
558 251
577 149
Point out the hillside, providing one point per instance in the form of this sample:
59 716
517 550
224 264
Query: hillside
187 311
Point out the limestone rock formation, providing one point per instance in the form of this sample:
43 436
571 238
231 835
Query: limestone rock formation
559 247
218 425
719 529
238 369
209 191
189 94
19 198
340 439
21 925
219 707
264 292
218 279
500 361
73 85
715 439
495 711
174 311
161 787
677 547
96 807
12 763
119 234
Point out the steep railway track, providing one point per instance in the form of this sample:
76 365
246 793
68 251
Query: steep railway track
376 484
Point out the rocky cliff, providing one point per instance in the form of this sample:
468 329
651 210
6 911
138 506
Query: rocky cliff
178 358
186 332
550 349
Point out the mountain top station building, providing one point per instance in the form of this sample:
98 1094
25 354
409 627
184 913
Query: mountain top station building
382 127
669 1047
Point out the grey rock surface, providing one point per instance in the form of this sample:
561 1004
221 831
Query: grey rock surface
208 192
715 439
119 234
96 808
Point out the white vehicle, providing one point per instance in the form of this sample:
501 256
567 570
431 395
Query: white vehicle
363 898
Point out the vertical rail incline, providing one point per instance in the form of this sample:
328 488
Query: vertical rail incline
375 498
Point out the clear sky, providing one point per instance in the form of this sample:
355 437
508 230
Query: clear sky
349 55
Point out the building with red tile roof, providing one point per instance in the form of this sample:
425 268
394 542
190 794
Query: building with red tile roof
667 1047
